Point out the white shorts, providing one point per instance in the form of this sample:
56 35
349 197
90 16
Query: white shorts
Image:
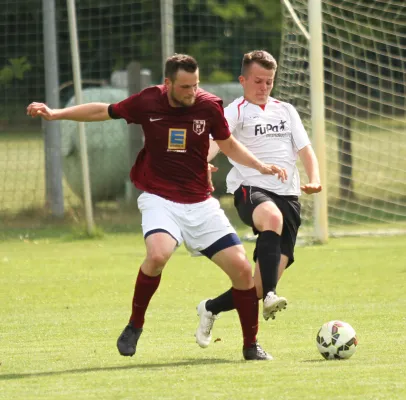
199 225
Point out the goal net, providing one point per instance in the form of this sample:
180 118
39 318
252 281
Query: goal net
364 45
111 35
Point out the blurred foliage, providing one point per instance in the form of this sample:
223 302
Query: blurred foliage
113 33
15 70
218 76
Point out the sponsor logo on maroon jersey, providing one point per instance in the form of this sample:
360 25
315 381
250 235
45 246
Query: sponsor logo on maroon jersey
177 140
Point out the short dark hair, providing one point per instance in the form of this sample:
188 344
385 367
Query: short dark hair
179 61
261 57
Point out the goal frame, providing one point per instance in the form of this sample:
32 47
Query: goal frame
315 38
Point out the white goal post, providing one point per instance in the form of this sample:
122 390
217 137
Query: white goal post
360 91
77 78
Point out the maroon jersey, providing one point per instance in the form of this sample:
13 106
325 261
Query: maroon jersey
173 162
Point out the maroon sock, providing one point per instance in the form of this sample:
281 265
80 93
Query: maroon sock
145 287
246 303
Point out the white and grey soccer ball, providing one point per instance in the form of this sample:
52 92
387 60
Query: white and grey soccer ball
336 340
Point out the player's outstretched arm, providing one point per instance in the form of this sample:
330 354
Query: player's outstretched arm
81 113
311 167
233 149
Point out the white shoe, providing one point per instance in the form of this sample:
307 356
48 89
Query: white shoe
203 332
272 304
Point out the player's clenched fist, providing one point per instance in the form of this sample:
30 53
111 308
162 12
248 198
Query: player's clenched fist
311 188
40 110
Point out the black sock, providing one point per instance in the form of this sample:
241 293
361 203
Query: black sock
221 303
269 256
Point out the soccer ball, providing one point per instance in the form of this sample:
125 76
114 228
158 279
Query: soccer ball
336 340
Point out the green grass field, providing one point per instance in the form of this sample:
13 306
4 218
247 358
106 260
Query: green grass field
64 302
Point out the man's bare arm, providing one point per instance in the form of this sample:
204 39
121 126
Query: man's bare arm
233 149
82 113
311 167
214 149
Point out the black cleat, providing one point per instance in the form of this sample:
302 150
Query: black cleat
255 352
127 341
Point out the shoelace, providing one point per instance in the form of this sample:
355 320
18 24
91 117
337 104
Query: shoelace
209 324
271 297
261 351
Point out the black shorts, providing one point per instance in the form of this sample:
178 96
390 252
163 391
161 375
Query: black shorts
246 198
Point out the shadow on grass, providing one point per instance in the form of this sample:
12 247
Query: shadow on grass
37 224
110 218
175 364
120 218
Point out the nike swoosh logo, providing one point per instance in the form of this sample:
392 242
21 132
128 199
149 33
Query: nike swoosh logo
155 119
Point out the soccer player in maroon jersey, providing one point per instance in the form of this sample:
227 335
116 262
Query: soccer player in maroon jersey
176 203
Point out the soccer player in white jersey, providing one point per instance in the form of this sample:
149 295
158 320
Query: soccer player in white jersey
273 131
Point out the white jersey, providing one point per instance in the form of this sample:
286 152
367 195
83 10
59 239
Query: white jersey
274 134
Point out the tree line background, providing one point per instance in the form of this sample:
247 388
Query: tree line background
112 34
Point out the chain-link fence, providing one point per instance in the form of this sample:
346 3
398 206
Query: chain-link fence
112 34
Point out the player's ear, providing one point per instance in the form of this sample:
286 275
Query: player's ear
241 79
167 82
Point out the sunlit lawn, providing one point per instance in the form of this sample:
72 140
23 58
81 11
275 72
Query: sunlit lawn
64 302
